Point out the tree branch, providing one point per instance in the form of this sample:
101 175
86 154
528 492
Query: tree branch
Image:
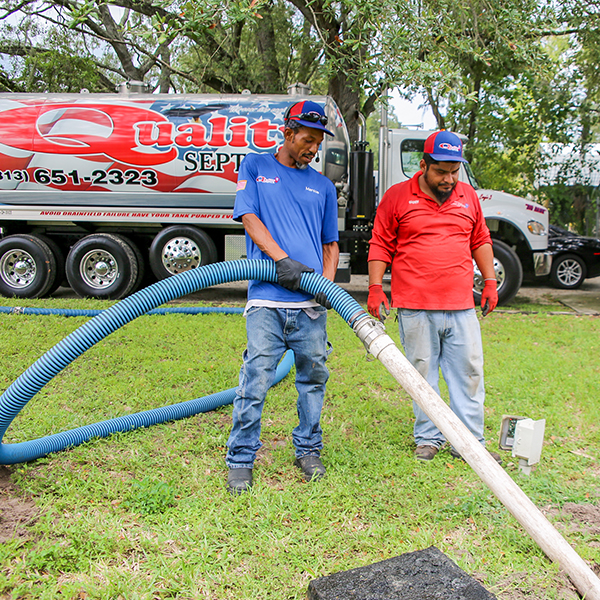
17 9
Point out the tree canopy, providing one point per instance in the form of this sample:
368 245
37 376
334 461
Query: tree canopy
509 74
351 49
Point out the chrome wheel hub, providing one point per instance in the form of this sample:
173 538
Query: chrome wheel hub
99 269
180 254
18 269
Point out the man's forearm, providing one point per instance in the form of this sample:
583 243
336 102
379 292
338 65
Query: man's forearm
376 271
331 256
484 257
260 235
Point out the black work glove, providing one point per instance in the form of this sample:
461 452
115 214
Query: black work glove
289 272
321 298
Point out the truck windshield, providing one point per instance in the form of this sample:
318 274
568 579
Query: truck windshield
411 153
472 179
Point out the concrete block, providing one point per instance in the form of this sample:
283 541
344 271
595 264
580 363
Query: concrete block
422 575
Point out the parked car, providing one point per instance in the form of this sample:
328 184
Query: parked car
574 258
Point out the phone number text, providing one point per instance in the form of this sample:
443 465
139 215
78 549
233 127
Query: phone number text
146 177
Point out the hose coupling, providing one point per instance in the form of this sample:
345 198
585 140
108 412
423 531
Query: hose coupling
368 330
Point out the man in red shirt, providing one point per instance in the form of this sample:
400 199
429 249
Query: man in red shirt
429 229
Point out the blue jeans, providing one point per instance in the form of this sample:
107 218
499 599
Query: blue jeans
272 331
450 340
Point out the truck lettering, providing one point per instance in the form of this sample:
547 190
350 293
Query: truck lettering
536 208
72 179
191 163
211 162
132 135
150 133
239 132
205 161
93 129
18 175
238 160
222 159
217 137
191 134
261 131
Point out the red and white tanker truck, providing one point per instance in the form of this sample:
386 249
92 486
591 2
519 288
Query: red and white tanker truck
108 191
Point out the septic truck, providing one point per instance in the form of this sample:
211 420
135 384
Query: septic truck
109 192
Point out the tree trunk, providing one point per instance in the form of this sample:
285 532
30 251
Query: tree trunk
474 111
265 41
433 102
308 55
164 80
348 100
119 45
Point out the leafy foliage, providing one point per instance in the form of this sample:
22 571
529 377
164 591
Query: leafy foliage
150 497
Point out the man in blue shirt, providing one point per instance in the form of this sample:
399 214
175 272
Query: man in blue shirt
289 211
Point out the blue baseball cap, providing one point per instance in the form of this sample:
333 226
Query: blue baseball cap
309 114
444 146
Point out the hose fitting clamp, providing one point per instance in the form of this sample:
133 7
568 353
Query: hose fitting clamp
368 330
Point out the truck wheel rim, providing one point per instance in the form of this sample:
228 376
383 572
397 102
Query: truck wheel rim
18 269
569 272
99 269
181 254
478 281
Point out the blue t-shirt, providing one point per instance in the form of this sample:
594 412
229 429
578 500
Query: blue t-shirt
297 206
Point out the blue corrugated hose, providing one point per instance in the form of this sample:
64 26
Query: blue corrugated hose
72 312
27 385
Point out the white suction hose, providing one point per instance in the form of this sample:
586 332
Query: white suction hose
379 344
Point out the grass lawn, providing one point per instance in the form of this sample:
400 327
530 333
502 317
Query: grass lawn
145 515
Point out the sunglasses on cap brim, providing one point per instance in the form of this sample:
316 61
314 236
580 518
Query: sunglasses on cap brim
311 117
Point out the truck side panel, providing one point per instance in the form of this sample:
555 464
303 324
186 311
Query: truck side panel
121 185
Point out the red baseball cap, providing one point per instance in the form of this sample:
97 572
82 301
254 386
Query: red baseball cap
309 114
444 146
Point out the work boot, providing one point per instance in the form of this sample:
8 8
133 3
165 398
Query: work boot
311 467
494 455
425 452
239 481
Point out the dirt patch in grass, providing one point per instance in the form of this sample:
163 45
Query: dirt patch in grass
520 586
265 452
16 512
584 518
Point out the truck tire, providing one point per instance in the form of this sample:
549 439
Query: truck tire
509 274
568 272
103 266
180 248
59 257
27 267
141 266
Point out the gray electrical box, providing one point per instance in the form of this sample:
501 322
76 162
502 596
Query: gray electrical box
529 439
507 431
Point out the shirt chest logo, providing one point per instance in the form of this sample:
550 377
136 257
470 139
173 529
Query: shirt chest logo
311 190
263 179
459 204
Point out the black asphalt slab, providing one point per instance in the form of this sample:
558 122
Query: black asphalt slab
422 575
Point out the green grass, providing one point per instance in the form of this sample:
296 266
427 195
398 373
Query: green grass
145 515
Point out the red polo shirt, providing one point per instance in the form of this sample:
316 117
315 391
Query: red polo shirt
429 245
